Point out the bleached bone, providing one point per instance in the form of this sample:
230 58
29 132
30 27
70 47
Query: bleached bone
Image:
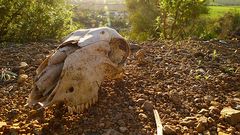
74 72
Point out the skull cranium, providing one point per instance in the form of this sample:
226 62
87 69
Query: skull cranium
79 65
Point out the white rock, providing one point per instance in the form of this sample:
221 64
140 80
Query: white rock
123 129
23 65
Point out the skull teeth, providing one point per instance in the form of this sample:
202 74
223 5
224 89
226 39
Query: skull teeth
70 110
80 108
86 105
90 103
95 99
74 109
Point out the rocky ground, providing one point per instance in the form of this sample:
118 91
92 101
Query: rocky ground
194 86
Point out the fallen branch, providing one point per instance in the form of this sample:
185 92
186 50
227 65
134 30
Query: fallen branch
158 122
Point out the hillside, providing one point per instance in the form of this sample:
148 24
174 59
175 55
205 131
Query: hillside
188 82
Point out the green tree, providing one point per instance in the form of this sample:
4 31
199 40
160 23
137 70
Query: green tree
178 17
167 19
33 20
142 16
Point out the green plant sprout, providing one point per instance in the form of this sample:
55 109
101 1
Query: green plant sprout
6 75
199 62
214 55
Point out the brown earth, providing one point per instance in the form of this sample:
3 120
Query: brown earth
187 82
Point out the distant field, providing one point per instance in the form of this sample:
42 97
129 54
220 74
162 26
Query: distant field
218 11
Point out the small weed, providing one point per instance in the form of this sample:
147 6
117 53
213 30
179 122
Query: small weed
207 77
6 75
199 62
214 55
230 70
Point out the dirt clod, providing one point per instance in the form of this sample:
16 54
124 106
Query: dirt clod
169 130
22 78
148 106
200 127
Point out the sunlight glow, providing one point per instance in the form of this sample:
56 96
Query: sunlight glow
107 13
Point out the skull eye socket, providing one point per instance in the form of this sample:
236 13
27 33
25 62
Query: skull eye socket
70 90
102 32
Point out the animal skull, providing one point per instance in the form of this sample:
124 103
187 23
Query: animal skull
79 65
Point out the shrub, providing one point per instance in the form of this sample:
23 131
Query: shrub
178 17
229 25
205 28
142 16
31 20
225 27
167 19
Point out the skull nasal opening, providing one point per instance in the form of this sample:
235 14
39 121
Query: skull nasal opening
70 90
102 32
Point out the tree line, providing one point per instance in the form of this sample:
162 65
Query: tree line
38 20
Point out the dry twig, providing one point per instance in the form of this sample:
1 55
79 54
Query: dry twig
158 122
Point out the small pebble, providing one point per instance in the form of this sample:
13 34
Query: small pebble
23 65
147 105
22 78
200 127
123 129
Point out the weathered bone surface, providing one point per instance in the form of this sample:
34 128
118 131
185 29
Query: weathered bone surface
75 71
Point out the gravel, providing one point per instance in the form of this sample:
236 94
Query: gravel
179 79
